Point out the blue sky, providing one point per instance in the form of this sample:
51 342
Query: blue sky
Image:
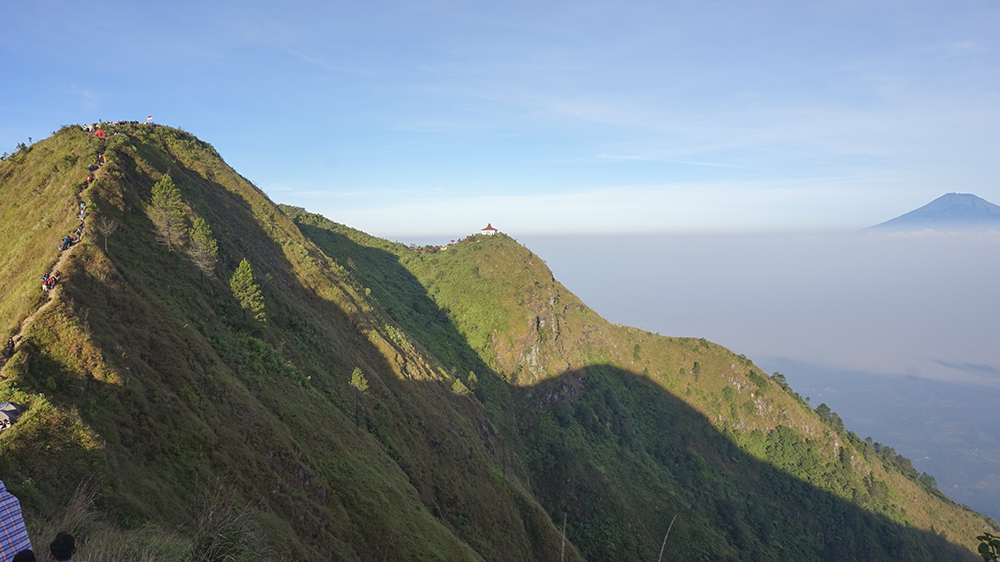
432 118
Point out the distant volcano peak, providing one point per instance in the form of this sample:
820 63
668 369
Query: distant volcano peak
950 212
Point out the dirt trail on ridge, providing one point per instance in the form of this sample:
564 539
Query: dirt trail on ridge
60 262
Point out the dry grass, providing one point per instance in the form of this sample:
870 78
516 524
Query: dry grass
226 531
223 531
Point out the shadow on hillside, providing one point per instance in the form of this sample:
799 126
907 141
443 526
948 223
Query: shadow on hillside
619 456
405 300
622 456
400 294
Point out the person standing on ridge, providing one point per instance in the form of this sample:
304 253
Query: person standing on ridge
63 548
13 534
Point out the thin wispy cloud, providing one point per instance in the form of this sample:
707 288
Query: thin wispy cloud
88 100
964 46
632 158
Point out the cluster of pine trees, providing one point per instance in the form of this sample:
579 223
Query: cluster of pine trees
170 217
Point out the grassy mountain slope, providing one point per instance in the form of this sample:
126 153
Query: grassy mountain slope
621 429
499 406
140 375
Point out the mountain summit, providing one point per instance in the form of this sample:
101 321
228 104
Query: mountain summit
950 212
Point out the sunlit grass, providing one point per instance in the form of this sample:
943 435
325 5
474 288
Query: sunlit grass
40 187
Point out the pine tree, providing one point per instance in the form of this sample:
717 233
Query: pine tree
360 384
247 292
167 213
204 250
458 387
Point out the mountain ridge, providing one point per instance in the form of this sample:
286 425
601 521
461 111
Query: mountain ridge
499 406
179 389
547 323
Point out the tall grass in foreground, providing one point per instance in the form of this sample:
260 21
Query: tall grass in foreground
223 531
227 531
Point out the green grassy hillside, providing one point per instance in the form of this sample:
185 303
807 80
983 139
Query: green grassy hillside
147 384
489 406
622 429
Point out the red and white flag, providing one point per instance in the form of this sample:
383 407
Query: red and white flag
148 118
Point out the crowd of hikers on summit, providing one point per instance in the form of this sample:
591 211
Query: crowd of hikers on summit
101 129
